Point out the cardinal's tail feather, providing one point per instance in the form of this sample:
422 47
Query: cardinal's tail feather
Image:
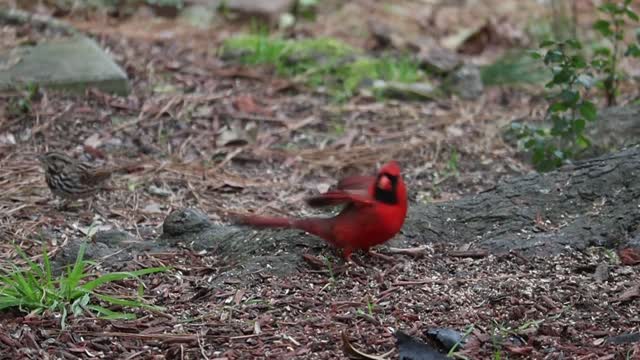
321 227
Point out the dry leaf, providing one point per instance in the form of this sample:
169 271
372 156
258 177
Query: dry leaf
247 104
518 350
152 208
93 141
629 256
159 191
479 40
7 139
630 294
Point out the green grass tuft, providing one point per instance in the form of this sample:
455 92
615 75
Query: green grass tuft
320 63
36 290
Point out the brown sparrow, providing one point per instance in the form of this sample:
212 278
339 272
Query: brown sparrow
71 179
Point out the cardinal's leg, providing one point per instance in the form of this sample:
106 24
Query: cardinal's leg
346 253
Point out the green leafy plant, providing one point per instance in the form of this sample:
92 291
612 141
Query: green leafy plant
36 290
607 58
502 332
452 164
568 111
332 275
22 104
572 76
178 4
306 9
454 348
451 170
321 63
370 306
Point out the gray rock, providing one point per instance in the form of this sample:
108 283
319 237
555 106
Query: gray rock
113 237
185 221
43 23
198 15
439 60
268 10
72 64
408 91
466 82
112 249
431 56
209 4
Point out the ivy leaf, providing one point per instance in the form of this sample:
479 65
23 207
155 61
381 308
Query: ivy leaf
558 106
578 62
578 125
583 142
574 43
633 50
538 157
553 56
602 51
547 43
530 143
603 27
609 8
588 110
632 15
563 76
599 63
569 97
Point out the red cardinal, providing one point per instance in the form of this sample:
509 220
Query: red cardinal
375 208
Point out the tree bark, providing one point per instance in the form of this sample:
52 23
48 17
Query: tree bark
594 202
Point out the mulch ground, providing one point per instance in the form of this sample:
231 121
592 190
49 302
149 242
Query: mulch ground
225 138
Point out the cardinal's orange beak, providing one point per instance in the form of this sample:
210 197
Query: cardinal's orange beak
384 183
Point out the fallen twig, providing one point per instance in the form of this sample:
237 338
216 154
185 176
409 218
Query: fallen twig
474 254
414 251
